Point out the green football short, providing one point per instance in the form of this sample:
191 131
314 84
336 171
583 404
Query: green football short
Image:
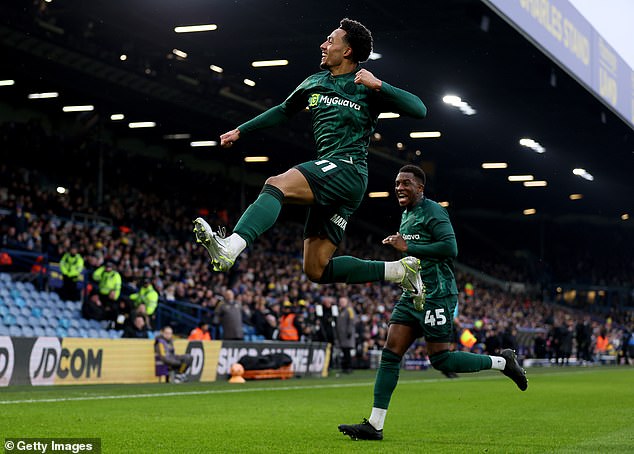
338 188
435 321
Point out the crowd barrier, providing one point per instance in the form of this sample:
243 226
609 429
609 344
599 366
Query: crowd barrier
42 361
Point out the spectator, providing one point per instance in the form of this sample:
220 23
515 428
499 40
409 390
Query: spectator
201 332
145 301
345 327
583 335
136 330
228 315
71 266
264 321
325 321
290 325
165 352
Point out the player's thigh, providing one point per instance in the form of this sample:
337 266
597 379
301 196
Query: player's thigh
294 186
333 182
400 337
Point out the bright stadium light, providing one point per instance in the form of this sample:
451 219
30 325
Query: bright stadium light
46 95
249 82
87 108
256 159
141 124
583 174
378 194
457 102
532 144
535 184
529 211
521 177
7 82
117 117
203 143
494 165
575 196
179 53
195 28
424 134
266 63
216 69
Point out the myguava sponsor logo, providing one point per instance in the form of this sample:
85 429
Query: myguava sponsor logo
317 98
7 359
415 236
49 360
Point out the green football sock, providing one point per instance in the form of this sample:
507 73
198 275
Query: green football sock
261 214
460 362
386 378
352 271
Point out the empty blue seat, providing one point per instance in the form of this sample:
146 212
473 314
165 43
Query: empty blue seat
26 311
73 332
27 331
4 330
83 332
21 320
63 323
75 323
8 319
15 330
47 312
3 310
114 334
93 333
36 312
60 331
39 331
50 331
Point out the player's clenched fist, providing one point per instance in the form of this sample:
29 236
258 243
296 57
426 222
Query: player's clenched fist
227 139
365 77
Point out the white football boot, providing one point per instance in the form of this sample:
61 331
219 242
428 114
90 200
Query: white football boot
412 282
222 258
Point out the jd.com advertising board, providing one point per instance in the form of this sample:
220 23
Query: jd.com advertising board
54 361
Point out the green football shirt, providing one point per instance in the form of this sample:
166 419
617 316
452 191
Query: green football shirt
430 237
344 114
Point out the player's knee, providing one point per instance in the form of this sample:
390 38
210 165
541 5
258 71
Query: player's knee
439 361
314 272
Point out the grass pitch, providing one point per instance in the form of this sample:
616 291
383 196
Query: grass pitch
564 410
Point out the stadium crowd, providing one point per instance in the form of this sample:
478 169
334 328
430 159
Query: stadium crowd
144 231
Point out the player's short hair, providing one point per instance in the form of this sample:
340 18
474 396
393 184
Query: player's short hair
358 37
416 171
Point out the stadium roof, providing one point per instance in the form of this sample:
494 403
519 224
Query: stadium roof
432 48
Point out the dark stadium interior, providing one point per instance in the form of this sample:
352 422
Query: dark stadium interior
431 48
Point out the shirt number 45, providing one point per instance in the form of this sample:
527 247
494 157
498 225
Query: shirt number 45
436 318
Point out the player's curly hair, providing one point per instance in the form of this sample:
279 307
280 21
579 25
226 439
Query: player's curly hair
358 37
417 171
